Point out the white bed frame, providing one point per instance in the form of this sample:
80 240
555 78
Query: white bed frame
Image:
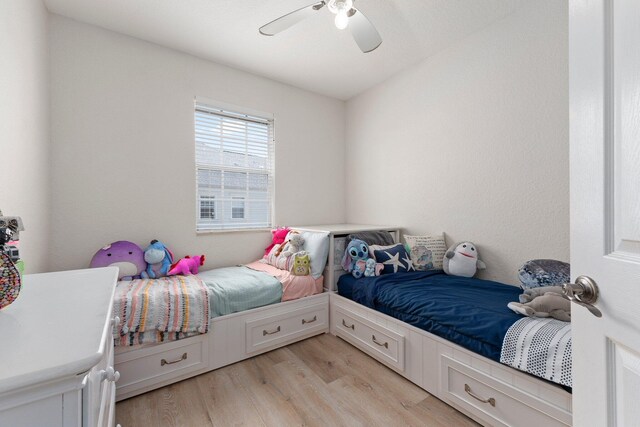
230 339
440 367
489 392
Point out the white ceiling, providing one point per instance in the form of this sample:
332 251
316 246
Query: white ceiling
312 55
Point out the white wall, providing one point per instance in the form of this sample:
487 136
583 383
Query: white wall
474 142
24 125
123 147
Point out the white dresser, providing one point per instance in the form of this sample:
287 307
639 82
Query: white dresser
56 351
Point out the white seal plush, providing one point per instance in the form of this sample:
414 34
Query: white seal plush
461 259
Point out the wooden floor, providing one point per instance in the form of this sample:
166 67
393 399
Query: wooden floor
321 381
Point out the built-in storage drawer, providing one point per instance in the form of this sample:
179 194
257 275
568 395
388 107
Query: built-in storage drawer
495 402
273 331
374 339
161 362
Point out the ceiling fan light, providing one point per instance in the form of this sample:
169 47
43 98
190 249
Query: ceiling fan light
342 20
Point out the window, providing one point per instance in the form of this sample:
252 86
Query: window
237 208
234 169
208 207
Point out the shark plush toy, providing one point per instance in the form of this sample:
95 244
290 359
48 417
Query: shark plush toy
461 259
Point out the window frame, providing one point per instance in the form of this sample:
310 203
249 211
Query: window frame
220 211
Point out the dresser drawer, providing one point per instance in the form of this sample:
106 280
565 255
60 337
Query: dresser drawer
374 339
161 362
272 331
493 401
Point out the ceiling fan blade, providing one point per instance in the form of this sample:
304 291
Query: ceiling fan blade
290 19
363 31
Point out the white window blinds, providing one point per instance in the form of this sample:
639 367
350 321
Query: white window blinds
234 169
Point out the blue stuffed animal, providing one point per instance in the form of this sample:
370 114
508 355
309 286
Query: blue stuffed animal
355 260
158 258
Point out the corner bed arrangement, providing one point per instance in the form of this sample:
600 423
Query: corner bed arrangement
172 328
448 335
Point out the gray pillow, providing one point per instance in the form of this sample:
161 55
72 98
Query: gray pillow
383 238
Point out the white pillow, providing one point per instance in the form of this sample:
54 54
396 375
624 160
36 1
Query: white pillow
317 244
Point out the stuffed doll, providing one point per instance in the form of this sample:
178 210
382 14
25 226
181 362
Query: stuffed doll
294 244
355 258
461 259
301 264
551 304
158 258
127 256
187 265
278 237
372 268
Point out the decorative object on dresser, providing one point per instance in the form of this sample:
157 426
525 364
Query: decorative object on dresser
57 351
10 280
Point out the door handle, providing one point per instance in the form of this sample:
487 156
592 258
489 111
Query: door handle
583 292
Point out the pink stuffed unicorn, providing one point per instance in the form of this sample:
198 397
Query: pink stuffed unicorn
187 265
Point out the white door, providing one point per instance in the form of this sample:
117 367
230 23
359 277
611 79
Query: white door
604 62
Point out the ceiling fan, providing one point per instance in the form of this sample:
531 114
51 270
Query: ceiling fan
362 30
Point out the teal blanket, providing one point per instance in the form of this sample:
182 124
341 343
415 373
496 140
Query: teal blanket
234 289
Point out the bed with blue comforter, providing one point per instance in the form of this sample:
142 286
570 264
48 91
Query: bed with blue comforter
472 313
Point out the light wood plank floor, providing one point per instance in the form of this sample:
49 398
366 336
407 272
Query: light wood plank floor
321 381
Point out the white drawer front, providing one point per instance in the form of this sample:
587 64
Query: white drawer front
376 340
164 361
272 331
495 402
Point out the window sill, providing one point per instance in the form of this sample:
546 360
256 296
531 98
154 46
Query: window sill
233 230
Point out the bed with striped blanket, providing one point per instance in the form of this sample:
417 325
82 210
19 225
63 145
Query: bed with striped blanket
159 310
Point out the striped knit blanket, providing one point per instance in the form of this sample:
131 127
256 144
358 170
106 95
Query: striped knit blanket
541 347
158 310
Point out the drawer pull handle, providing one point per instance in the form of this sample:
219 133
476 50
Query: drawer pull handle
164 361
491 401
265 332
353 326
304 321
385 344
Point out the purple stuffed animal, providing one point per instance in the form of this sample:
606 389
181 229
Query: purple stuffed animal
127 256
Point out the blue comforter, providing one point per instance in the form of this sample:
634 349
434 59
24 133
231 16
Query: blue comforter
470 312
